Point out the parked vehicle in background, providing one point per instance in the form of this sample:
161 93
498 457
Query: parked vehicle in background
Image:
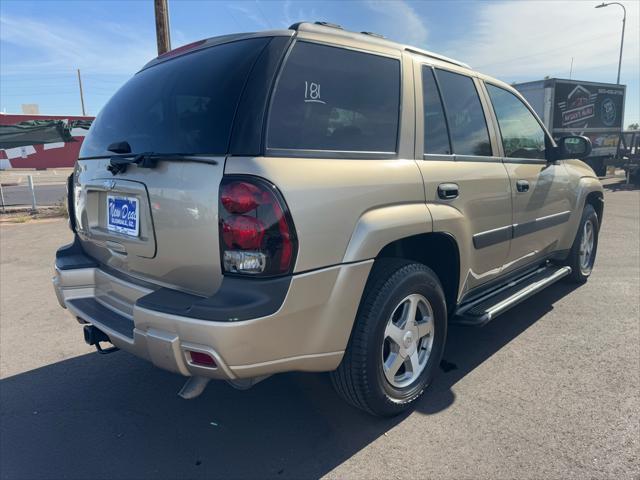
314 199
41 141
573 107
628 154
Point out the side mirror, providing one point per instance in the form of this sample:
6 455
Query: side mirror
573 146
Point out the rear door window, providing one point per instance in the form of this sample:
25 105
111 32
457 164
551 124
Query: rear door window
334 99
467 123
436 136
182 105
522 135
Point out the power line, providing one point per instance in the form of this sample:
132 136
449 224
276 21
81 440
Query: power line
542 52
41 94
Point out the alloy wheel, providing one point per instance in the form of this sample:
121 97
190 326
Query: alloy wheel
408 340
587 244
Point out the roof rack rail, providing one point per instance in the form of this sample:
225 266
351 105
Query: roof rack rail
328 24
376 38
373 34
296 26
442 58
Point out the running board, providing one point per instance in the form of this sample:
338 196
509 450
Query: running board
485 309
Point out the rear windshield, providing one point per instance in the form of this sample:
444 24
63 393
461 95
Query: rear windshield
183 105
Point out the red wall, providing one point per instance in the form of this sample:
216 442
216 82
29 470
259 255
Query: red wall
51 158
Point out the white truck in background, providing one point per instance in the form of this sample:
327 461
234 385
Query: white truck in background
574 107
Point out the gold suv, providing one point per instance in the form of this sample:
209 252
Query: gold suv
315 199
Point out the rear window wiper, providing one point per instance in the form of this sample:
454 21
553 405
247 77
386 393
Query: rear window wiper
119 163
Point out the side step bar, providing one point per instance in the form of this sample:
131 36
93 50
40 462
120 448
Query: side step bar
485 309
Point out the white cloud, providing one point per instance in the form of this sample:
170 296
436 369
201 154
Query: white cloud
252 12
401 21
58 47
299 15
514 40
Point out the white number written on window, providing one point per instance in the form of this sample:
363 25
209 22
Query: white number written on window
312 92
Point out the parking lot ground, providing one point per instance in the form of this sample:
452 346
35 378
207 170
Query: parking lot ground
550 389
49 186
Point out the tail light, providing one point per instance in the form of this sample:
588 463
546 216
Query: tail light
257 236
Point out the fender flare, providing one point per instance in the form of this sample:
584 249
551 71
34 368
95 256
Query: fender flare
382 226
378 227
586 186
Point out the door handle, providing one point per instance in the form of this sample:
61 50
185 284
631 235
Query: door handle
522 186
448 191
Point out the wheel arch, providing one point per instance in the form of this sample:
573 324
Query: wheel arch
378 227
589 191
405 231
596 200
438 251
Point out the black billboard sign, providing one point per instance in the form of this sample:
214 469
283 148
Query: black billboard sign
586 106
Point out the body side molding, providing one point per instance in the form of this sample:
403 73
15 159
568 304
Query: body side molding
502 234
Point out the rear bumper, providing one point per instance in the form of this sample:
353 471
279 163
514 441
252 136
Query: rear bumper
307 331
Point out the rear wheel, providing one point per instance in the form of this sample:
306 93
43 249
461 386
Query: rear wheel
585 246
397 340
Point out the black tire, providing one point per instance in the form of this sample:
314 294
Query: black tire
580 274
360 379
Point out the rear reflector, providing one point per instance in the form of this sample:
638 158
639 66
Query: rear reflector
201 358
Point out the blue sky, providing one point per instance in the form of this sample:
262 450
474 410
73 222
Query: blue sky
43 42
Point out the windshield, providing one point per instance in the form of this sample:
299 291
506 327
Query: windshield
183 105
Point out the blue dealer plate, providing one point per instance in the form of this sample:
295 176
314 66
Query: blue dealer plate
122 215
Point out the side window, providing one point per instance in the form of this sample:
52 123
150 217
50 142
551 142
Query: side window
467 124
522 135
436 137
330 98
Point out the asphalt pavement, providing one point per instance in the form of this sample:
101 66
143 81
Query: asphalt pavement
550 389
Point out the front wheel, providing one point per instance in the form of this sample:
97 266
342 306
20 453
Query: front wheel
583 252
397 340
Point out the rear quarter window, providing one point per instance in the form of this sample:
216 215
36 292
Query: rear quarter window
334 99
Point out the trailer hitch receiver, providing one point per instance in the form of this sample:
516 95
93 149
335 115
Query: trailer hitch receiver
93 336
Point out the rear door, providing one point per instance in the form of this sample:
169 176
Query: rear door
461 170
540 189
160 224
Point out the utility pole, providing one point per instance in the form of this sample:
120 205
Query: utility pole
624 20
162 26
81 94
571 69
